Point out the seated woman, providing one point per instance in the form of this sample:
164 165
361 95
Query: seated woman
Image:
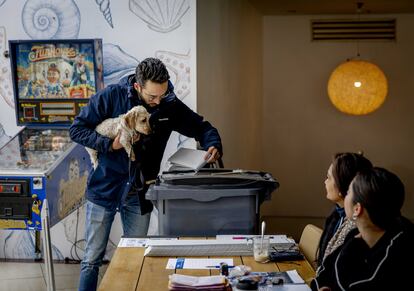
376 255
343 169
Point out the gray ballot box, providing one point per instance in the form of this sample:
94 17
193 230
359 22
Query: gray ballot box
210 201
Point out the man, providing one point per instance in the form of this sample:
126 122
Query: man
118 183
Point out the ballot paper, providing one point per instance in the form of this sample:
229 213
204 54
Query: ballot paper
188 158
199 263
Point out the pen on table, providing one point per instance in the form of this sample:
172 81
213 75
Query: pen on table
244 237
218 267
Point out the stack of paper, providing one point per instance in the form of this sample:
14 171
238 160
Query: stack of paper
183 282
222 246
279 241
191 248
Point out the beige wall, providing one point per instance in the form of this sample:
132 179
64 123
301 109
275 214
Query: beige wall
229 77
287 105
302 130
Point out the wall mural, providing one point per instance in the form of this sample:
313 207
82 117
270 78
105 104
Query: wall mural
6 91
45 19
179 65
117 63
20 244
3 136
106 10
160 15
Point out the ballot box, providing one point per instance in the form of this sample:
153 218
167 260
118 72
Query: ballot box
210 201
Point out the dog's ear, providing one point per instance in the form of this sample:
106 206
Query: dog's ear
130 119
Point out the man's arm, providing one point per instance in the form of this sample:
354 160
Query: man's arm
190 124
83 127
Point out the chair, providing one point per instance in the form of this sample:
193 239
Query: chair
309 242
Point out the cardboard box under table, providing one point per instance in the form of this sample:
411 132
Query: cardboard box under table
211 201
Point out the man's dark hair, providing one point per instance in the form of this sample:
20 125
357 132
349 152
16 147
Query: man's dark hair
344 168
151 69
381 193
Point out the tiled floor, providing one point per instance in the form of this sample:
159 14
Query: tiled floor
31 276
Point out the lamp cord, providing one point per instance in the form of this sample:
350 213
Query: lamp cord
359 10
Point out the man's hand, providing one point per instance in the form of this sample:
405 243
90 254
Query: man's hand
212 155
116 145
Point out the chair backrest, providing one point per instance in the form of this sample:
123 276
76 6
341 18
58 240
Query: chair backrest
309 242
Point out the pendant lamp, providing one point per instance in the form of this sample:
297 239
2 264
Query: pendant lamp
357 86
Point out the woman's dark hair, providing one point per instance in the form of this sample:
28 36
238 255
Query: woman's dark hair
151 69
344 168
381 193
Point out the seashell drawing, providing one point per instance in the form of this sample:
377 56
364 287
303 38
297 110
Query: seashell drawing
4 138
48 19
2 2
179 65
6 91
160 15
106 10
117 63
21 245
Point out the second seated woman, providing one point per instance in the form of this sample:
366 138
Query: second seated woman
342 170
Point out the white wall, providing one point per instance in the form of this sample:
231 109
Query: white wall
131 31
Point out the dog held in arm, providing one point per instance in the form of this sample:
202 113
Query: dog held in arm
129 125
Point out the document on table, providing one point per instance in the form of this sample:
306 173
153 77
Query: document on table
135 242
127 242
202 263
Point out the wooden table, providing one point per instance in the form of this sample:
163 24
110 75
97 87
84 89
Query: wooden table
130 270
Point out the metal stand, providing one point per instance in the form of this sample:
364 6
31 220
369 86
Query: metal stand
38 251
47 247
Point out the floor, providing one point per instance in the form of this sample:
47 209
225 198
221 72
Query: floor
31 276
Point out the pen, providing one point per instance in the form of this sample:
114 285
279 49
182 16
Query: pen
244 237
217 267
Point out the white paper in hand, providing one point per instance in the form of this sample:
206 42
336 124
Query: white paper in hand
188 158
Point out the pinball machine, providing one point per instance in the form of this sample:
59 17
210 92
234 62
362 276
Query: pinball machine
52 81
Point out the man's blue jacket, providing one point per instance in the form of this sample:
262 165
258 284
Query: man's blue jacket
116 174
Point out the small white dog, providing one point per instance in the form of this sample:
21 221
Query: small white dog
128 125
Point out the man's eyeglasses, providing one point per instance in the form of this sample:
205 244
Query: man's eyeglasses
151 98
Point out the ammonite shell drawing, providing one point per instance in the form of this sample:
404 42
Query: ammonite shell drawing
45 19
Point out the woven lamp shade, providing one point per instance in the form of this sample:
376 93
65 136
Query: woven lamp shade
357 87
